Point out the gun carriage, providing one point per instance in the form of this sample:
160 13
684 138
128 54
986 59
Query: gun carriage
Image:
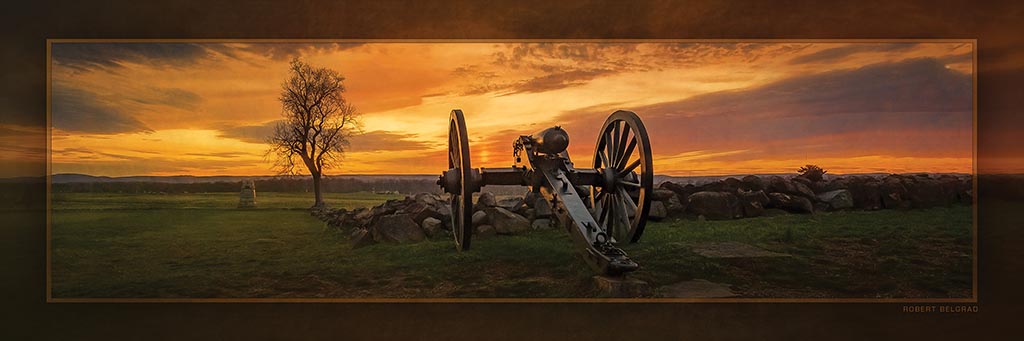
600 206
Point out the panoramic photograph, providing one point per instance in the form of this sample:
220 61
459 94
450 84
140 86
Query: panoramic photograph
524 170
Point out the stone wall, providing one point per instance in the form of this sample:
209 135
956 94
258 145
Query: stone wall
752 196
428 215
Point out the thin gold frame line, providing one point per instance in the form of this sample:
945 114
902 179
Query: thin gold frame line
509 300
49 182
974 176
974 169
613 40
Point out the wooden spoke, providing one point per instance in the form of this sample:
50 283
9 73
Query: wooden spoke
631 167
615 143
604 159
626 198
620 144
626 155
608 150
630 184
605 213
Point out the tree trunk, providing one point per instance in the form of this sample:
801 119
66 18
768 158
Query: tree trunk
316 190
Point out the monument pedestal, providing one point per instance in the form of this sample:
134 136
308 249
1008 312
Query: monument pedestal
247 197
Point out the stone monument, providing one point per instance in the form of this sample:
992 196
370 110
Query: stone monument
247 197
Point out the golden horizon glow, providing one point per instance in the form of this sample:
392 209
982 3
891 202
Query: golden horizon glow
201 111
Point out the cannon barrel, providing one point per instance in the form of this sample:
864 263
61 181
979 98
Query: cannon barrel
552 140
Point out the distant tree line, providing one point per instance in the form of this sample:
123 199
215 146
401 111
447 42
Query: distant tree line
330 185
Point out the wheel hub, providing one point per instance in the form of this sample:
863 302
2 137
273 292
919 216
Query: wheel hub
611 179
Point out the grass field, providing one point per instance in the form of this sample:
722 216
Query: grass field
201 246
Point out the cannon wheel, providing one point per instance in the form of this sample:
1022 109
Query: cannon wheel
623 156
462 201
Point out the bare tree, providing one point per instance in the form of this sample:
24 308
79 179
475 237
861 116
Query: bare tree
318 122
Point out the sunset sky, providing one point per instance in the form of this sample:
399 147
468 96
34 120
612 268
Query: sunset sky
122 109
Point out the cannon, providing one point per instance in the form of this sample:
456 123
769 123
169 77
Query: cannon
600 206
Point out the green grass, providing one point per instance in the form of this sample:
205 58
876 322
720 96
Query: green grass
265 200
200 246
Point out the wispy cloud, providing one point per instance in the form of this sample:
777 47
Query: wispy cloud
837 53
90 56
79 110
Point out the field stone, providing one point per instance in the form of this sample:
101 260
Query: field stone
674 206
432 227
791 203
511 204
622 287
506 222
363 215
752 183
419 211
658 211
866 192
429 199
530 198
542 224
714 205
444 209
361 238
479 218
926 193
484 232
752 202
486 199
530 213
661 194
541 208
781 185
837 199
803 190
397 228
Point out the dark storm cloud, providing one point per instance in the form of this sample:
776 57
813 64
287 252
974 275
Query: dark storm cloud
915 107
79 110
837 53
87 56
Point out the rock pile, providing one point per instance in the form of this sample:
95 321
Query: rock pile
428 215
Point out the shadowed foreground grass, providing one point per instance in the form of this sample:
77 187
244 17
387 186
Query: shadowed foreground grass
200 246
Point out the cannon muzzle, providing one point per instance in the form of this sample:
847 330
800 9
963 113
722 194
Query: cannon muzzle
552 140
